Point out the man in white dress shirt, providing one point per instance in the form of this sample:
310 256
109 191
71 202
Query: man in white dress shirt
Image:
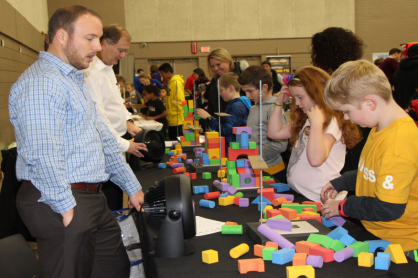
102 84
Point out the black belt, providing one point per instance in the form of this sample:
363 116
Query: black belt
91 187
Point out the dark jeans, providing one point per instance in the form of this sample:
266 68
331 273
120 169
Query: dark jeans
90 246
172 132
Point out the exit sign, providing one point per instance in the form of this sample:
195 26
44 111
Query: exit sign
204 49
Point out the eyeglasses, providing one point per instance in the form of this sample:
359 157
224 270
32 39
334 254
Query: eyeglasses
120 50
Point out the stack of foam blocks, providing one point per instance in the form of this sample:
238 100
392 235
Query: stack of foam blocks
191 136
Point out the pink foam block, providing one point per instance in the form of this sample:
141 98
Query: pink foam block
275 237
280 224
343 254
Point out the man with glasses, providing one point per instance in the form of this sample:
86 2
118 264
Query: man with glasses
101 81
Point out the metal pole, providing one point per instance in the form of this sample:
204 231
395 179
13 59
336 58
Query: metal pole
261 155
194 112
177 104
220 132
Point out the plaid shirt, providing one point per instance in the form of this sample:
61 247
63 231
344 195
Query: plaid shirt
60 139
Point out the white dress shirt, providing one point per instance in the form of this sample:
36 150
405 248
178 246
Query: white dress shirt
104 90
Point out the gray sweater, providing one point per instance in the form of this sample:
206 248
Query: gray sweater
271 148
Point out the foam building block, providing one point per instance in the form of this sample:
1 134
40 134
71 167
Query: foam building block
210 256
267 193
320 239
226 201
212 195
272 212
247 265
278 217
303 270
278 201
258 250
200 189
289 197
231 223
257 201
240 194
224 186
275 237
272 244
359 247
396 254
326 254
299 259
303 246
281 187
189 161
365 259
283 256
231 190
162 165
193 176
328 222
375 244
268 207
261 206
267 251
179 170
315 261
236 200
381 263
280 224
338 221
347 240
288 213
206 175
337 245
239 250
223 195
206 203
343 254
244 202
298 207
231 229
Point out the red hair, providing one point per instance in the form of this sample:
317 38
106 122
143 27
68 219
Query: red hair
313 80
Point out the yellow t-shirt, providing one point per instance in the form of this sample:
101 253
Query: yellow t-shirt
388 170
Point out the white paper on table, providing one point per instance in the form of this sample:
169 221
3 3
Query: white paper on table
299 227
169 144
205 226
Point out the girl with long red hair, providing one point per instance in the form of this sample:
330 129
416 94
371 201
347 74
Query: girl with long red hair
318 134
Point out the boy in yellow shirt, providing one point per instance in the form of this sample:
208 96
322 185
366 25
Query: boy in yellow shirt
386 182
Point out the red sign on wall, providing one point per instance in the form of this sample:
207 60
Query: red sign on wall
194 47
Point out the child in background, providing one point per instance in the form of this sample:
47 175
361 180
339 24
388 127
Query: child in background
238 107
156 108
134 97
163 95
318 134
386 182
250 80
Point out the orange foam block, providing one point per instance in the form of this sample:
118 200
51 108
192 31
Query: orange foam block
303 246
186 173
316 217
299 259
326 254
288 213
277 202
183 156
308 209
251 265
318 204
179 170
289 202
258 250
231 223
272 244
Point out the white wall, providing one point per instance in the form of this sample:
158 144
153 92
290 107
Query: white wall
35 11
190 20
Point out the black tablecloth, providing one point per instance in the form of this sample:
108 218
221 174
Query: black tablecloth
192 265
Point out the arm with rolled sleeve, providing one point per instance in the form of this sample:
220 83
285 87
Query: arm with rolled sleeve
274 147
95 86
120 172
40 129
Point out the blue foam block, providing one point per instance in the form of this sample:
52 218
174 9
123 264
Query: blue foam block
381 263
223 195
240 163
207 204
205 161
257 200
347 239
204 156
283 256
197 160
328 223
281 187
170 153
383 255
261 206
162 165
243 139
178 159
379 243
200 189
337 233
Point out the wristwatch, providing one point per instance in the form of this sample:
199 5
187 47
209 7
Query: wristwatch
130 120
208 119
341 208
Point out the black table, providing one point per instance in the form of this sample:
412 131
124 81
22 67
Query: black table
192 265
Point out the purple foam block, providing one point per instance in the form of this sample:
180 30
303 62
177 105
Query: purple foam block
247 163
343 254
189 161
216 182
338 221
244 148
177 165
174 143
195 150
242 129
231 190
289 197
224 186
197 154
244 202
193 143
315 261
275 237
279 224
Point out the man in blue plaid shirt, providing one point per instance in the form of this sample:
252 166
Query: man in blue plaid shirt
65 152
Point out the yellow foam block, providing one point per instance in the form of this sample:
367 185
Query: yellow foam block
219 173
226 201
213 153
264 220
225 179
396 254
365 259
224 159
191 103
295 271
177 147
186 143
310 213
267 208
213 134
210 256
297 218
186 123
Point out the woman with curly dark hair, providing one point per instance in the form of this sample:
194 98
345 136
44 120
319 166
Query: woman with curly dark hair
333 47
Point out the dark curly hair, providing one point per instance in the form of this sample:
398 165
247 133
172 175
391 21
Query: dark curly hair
333 47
